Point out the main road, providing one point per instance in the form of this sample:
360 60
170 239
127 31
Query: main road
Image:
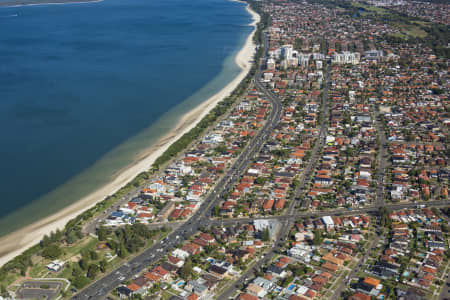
370 209
320 143
101 288
381 159
285 221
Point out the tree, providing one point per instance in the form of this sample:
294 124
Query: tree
102 233
435 210
287 280
217 210
318 238
307 155
122 251
71 237
84 264
2 289
45 241
80 281
93 255
384 216
260 180
155 288
52 251
76 271
92 271
141 230
79 233
85 254
298 43
186 270
102 264
222 148
265 235
57 236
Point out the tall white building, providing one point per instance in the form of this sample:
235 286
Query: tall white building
303 59
319 64
271 64
317 56
346 57
287 51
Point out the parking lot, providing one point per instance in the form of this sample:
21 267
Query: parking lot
38 290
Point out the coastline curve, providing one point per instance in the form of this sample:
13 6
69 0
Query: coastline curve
15 243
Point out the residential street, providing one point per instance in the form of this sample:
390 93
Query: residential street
286 223
381 161
100 288
337 292
202 218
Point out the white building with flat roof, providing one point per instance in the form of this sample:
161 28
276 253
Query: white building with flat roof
346 57
328 221
271 64
179 253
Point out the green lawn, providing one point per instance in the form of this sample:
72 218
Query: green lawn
166 295
412 28
369 8
415 31
88 243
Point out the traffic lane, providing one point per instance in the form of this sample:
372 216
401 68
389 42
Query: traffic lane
122 273
335 212
265 259
241 160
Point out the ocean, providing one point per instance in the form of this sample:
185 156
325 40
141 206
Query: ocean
84 88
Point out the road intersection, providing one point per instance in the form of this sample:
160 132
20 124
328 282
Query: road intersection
203 216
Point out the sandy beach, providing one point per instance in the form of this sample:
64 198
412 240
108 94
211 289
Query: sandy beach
15 243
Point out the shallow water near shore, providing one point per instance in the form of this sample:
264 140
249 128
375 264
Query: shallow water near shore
85 88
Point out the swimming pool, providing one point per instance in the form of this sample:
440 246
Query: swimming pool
291 287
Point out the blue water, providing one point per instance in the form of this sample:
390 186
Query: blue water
84 87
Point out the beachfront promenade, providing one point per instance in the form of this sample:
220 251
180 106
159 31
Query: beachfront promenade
334 182
201 218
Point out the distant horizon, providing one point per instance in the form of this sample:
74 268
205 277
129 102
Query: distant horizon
19 3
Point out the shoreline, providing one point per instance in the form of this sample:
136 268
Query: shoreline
15 243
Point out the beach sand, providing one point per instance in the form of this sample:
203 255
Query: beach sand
15 243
